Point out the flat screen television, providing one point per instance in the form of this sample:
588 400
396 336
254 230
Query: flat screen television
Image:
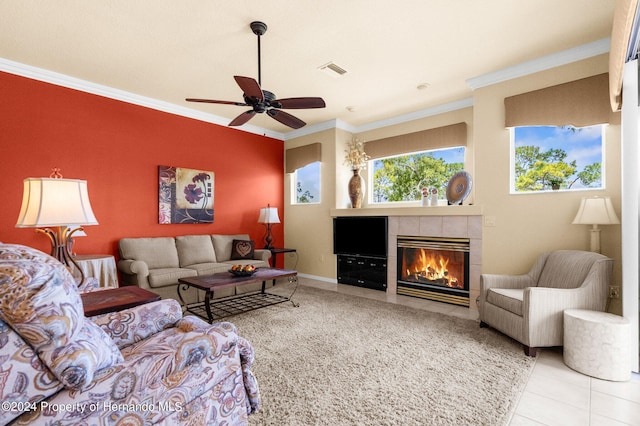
365 235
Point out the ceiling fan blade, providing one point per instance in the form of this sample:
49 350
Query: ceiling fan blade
286 118
243 118
212 101
249 87
300 103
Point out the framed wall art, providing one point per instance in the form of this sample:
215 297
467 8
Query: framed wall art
185 195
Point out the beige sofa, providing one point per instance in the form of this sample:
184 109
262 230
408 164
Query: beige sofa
157 263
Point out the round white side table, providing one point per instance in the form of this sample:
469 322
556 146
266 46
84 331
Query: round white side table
597 344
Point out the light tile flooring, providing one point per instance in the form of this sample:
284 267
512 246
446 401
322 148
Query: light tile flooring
555 394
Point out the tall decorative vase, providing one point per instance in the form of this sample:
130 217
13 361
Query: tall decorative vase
356 189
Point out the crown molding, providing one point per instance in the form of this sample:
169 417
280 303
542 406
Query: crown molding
544 63
564 57
416 115
63 80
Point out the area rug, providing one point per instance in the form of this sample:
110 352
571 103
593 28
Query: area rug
346 360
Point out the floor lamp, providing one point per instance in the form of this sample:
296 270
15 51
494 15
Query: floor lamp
58 208
268 216
596 211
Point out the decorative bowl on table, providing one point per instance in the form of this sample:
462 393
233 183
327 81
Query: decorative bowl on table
243 270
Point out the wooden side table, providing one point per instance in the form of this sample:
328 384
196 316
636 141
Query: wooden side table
275 251
115 299
100 266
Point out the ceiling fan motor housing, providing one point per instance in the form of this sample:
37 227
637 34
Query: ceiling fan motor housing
261 106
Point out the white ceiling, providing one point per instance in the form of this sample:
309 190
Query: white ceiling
169 50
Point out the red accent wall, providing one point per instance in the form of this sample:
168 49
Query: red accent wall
117 147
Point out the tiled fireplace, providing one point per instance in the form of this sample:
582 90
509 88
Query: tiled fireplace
434 268
462 289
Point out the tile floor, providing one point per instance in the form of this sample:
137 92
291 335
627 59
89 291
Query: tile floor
555 394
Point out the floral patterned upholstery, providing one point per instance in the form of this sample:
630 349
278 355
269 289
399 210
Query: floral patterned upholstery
145 365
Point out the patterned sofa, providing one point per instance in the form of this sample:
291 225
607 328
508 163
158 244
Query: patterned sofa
145 365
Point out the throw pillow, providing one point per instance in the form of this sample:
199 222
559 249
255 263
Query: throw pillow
40 301
242 249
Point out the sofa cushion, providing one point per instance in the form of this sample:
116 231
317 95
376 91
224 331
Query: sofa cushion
210 268
222 244
193 249
242 249
509 299
162 277
40 301
156 252
566 268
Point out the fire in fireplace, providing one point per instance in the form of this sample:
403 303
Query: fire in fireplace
434 268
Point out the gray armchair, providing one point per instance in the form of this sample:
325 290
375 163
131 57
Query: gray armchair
529 307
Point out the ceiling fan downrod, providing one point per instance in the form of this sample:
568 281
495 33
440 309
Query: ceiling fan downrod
259 28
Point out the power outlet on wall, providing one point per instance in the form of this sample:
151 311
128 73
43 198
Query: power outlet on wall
614 292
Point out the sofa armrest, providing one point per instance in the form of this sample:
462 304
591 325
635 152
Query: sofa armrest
250 382
262 254
135 324
136 269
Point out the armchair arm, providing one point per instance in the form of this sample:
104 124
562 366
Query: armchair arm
135 324
543 309
250 382
262 254
488 281
245 349
135 272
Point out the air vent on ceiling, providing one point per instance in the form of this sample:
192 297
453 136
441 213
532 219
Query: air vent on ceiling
332 69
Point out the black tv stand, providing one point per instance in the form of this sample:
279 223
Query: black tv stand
363 271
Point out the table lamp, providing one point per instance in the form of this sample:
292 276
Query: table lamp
268 216
596 211
58 208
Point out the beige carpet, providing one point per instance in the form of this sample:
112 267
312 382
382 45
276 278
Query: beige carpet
346 360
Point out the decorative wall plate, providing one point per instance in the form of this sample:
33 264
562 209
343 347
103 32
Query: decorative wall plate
458 188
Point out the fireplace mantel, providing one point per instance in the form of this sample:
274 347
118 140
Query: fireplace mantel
465 210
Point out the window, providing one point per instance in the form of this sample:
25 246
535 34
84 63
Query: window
548 158
305 184
402 177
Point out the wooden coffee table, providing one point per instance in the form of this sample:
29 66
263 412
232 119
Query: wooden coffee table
115 299
232 305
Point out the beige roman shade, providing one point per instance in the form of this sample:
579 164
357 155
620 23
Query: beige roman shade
440 137
301 156
622 24
579 103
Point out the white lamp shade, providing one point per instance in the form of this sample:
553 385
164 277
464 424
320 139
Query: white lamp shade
596 211
269 215
55 202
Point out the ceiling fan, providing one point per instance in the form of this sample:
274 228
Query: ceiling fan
261 100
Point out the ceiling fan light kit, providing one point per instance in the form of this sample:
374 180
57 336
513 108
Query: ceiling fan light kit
264 101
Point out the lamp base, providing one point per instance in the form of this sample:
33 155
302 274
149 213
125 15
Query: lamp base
60 239
595 239
268 237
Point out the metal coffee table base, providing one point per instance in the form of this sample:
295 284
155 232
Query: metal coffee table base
214 309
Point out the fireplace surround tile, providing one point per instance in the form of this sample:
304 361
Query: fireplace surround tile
455 226
431 226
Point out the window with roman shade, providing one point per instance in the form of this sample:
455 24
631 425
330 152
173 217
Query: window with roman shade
557 136
301 156
450 136
579 103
